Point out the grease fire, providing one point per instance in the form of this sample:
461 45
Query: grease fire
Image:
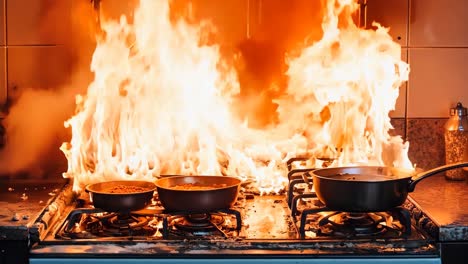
164 101
198 142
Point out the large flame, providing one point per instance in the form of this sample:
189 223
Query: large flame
161 103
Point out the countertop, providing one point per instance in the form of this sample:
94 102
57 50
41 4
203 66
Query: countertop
21 202
446 203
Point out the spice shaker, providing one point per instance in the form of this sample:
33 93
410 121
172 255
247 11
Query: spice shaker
456 141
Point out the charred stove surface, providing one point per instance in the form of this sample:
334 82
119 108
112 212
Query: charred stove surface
22 202
255 217
266 228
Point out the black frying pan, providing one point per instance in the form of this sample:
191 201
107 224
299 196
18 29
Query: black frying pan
122 202
220 193
367 188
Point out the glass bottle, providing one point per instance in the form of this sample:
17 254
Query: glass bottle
456 141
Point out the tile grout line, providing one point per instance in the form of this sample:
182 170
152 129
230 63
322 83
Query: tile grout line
405 132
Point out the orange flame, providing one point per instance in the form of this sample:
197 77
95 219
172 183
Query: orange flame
161 103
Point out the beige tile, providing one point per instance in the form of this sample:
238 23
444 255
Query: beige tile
438 80
116 8
229 17
3 85
438 23
37 67
400 106
391 14
38 22
2 23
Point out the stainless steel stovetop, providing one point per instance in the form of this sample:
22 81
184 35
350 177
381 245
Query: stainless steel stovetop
258 228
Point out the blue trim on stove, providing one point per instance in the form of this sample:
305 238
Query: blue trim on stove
236 261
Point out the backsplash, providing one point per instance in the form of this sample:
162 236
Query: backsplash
34 56
426 138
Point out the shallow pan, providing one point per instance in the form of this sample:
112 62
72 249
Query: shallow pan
367 188
197 193
121 196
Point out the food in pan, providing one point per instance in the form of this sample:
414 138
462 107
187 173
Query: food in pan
194 186
126 189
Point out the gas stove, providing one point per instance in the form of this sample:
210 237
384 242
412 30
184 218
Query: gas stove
292 226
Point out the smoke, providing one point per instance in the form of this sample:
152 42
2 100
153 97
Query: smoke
34 124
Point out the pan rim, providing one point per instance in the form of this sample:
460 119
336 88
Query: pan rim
152 189
387 179
239 181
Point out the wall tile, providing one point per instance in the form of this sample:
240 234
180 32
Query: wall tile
2 23
3 85
38 22
229 16
116 8
37 67
438 80
391 14
400 106
438 23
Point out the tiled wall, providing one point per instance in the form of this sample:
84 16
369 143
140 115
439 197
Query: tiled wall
434 37
33 38
433 34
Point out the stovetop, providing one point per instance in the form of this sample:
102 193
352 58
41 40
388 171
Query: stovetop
255 226
293 224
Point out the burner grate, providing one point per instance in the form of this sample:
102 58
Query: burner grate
313 216
352 224
92 223
182 224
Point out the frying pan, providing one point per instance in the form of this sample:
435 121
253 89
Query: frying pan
220 193
120 202
368 188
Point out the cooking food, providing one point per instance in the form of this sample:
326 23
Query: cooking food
194 186
126 189
362 177
197 193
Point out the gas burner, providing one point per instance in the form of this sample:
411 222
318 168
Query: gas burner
352 224
127 221
199 222
113 224
84 223
223 222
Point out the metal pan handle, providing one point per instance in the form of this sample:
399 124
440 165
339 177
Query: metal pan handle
420 176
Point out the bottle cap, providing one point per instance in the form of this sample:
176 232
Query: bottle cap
459 110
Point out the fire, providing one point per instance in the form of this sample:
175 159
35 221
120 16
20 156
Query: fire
162 100
342 89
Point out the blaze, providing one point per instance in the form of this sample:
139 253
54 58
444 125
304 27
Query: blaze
162 103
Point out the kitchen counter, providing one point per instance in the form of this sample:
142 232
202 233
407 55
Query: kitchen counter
21 202
446 204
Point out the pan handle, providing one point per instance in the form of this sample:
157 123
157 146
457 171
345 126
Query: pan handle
420 176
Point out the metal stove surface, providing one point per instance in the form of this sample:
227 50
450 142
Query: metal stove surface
268 233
